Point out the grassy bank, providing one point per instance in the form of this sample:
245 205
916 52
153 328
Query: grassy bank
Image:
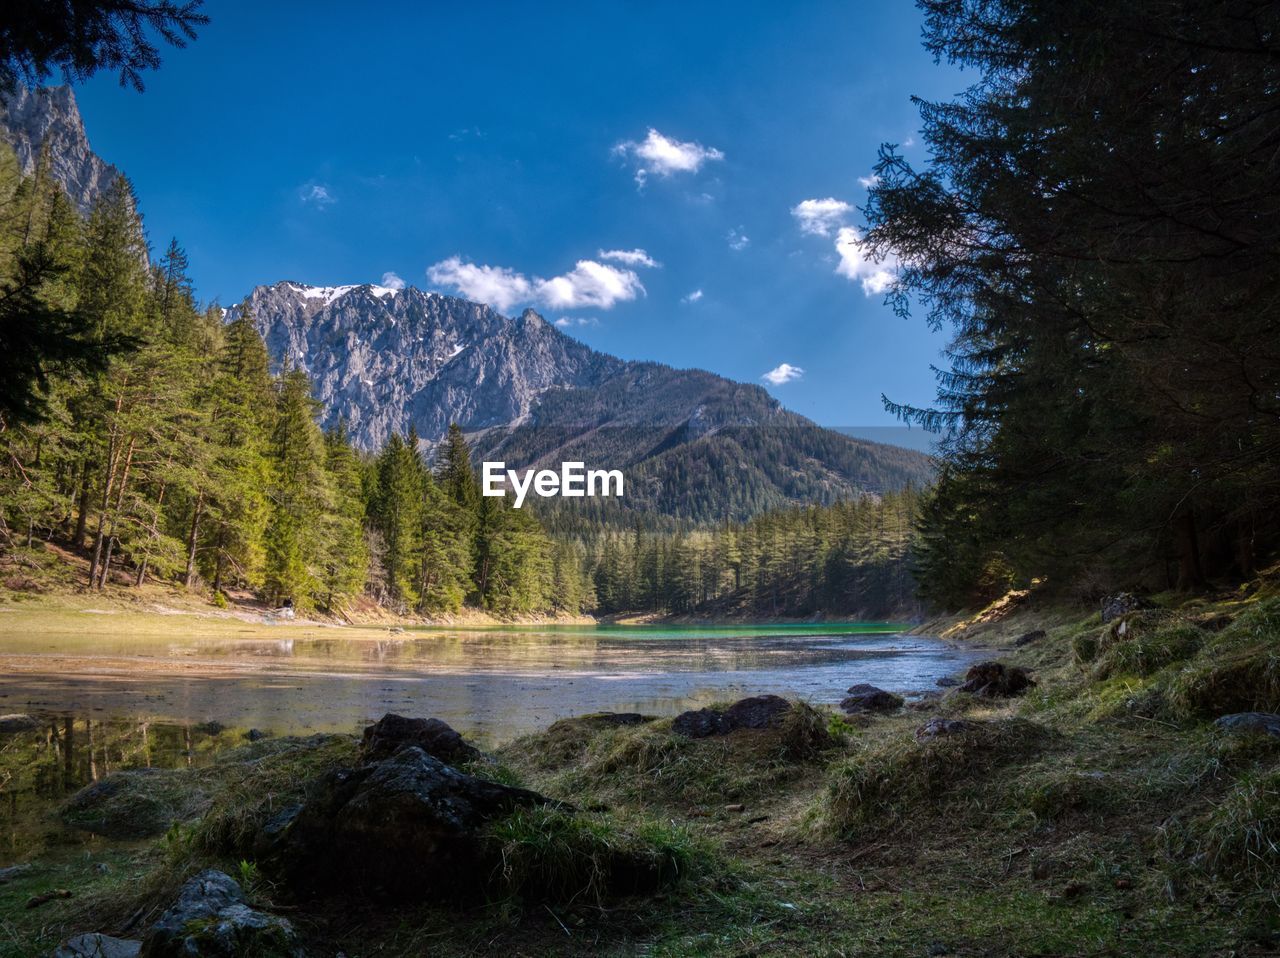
1101 813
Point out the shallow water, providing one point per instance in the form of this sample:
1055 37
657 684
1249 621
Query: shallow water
493 684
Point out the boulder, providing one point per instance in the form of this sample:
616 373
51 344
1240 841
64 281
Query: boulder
212 918
947 682
1035 635
756 712
940 727
12 724
392 732
135 803
401 826
996 680
1250 723
97 945
868 698
1120 604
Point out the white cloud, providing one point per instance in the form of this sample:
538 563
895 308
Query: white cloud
588 285
632 257
501 288
737 239
658 155
910 141
875 275
783 373
392 280
564 322
692 297
866 182
821 217
316 194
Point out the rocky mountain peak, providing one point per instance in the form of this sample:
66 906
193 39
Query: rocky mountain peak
48 119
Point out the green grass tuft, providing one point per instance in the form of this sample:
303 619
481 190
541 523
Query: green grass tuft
550 855
888 781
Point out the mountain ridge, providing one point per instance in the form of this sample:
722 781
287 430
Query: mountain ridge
697 446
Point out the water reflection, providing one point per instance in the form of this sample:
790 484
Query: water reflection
41 767
494 683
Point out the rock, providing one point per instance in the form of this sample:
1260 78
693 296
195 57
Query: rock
12 872
212 918
96 945
947 682
1120 604
756 712
46 122
209 728
256 735
1027 638
868 698
700 723
1250 723
399 826
942 728
12 724
135 803
996 680
392 732
269 840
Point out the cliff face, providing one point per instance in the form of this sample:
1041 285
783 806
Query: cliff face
47 120
384 359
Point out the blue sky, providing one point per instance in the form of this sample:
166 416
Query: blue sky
504 149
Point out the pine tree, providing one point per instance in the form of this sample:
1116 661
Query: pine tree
299 496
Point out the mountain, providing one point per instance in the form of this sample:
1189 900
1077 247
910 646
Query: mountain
48 119
694 446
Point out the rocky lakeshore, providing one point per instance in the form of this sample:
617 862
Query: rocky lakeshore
1100 787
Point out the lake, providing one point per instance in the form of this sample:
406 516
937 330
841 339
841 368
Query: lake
493 684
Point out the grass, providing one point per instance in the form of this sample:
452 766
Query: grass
548 854
1239 840
887 781
1238 670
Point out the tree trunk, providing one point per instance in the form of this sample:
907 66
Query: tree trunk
111 538
190 577
1190 566
82 507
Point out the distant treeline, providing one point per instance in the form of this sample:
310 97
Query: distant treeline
849 558
152 437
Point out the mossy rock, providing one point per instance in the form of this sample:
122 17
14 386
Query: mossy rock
891 780
1146 652
137 803
1238 670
